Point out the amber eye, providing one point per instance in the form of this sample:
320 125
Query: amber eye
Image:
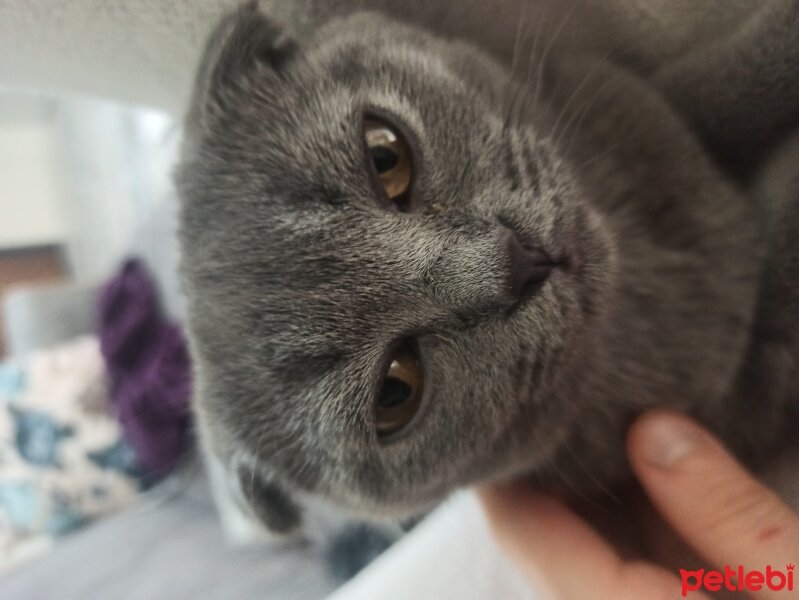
401 394
391 157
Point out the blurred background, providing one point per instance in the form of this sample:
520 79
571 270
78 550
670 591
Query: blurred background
102 494
88 289
83 184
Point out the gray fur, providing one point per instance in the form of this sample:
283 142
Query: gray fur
678 292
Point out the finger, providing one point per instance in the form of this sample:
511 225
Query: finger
546 540
708 497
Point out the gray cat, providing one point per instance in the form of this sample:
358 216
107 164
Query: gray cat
416 262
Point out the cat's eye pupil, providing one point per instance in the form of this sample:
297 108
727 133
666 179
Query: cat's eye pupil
394 392
392 161
384 158
400 395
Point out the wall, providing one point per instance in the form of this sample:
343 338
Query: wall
31 205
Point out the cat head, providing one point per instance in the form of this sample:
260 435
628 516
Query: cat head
389 270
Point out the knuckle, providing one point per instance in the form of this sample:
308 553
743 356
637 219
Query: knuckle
735 509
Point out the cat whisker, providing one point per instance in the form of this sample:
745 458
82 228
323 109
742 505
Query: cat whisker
257 453
553 465
525 87
582 111
547 50
609 149
516 46
525 411
586 105
593 477
575 94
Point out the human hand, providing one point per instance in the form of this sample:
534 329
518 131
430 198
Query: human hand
704 494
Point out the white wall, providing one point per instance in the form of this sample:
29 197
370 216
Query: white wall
94 177
31 205
117 165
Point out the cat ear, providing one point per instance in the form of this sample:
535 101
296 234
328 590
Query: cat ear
272 505
245 42
251 508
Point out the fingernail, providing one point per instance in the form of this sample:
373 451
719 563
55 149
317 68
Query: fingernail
670 439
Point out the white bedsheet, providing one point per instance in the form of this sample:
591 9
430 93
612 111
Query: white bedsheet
450 555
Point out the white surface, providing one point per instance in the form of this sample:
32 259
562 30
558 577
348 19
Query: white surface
41 316
30 196
117 163
450 555
145 51
140 52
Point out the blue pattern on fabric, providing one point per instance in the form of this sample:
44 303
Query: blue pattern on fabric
21 502
12 381
117 457
63 457
38 437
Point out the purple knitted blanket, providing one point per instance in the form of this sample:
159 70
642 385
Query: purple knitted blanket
148 366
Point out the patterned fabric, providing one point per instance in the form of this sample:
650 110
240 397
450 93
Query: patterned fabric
63 460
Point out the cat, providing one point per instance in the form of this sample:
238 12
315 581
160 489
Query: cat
416 261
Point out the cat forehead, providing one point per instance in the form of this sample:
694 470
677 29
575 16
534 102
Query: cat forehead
305 119
365 49
362 62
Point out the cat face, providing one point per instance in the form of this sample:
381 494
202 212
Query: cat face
387 281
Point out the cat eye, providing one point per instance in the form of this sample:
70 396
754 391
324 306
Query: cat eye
401 395
391 158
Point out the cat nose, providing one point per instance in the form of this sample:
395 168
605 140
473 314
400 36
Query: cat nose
529 266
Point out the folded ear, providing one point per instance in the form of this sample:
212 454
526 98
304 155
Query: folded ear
245 43
251 509
272 505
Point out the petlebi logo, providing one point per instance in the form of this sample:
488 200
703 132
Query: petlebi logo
737 580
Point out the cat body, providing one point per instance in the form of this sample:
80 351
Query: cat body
672 281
